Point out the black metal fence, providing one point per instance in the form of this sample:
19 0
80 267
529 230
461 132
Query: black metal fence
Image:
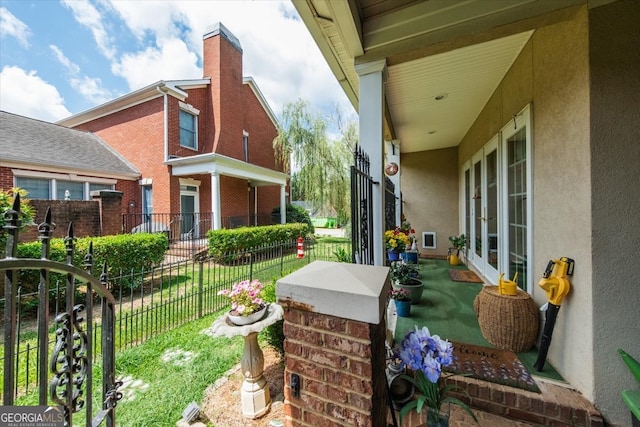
176 226
148 303
361 208
59 359
187 233
389 204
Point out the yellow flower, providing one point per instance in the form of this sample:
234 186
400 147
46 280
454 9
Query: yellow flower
396 240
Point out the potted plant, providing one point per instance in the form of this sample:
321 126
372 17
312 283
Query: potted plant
396 241
458 243
426 355
404 276
402 301
247 305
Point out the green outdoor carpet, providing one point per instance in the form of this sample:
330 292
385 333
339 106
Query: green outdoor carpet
446 308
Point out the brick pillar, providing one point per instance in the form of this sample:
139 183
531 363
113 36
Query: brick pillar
110 207
334 329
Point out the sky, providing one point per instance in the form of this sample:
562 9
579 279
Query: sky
60 58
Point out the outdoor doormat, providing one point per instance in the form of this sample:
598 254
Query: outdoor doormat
464 276
491 364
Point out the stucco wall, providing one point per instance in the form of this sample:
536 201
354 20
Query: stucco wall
552 74
561 187
614 58
428 180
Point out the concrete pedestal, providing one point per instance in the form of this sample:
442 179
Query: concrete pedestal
254 393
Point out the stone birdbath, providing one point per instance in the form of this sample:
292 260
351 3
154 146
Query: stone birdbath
254 393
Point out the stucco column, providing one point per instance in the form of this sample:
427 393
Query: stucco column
283 205
371 112
215 201
392 149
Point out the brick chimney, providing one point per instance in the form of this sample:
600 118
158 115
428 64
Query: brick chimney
222 62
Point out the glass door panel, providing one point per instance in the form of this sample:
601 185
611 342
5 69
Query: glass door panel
485 213
517 196
187 209
477 208
467 206
491 161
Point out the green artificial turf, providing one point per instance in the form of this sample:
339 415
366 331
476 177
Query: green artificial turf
446 308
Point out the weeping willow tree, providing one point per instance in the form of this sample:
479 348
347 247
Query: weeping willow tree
319 166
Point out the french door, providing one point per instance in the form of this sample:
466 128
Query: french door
516 192
483 210
189 211
497 204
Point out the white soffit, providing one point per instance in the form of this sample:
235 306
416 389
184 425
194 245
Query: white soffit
468 76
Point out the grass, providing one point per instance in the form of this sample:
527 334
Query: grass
173 380
165 374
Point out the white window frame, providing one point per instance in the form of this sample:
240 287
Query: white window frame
245 145
55 177
189 109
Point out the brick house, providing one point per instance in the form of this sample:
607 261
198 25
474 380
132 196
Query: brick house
203 146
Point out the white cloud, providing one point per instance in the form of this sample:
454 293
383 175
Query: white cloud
27 94
172 61
278 51
12 26
70 66
86 14
90 88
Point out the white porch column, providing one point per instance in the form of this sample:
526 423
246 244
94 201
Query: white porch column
215 201
371 112
283 205
393 155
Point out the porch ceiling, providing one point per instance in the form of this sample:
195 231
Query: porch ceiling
459 50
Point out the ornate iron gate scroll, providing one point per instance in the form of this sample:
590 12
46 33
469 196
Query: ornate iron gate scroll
361 208
70 363
389 204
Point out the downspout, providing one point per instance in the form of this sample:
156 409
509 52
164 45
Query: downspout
162 89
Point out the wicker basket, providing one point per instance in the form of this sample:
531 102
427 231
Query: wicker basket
506 321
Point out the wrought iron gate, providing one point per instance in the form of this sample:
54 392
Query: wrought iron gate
361 208
389 204
64 364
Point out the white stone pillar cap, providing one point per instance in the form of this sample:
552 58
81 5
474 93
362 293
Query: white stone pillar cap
351 291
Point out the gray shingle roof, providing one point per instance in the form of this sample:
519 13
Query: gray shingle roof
34 142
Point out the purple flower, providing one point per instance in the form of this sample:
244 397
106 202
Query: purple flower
424 352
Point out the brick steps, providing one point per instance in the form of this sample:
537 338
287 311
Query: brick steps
556 405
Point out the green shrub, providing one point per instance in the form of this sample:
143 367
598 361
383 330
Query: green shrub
6 202
273 334
122 253
295 214
227 243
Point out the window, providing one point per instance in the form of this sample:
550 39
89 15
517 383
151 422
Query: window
37 188
46 186
96 187
75 188
245 145
147 201
188 130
